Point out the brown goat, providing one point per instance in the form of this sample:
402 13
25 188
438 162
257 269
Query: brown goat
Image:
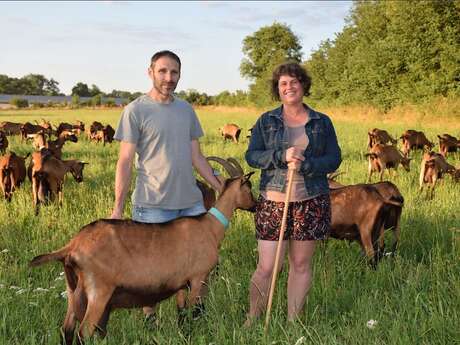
56 146
448 143
383 157
3 142
362 212
92 130
140 270
413 140
39 140
12 173
230 131
29 128
379 136
47 174
11 128
432 168
105 135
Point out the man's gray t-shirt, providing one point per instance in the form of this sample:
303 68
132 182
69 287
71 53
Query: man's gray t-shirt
162 134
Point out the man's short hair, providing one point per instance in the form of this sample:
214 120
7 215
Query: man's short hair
163 53
293 69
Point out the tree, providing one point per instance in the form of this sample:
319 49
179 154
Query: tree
94 91
81 89
390 52
51 88
265 49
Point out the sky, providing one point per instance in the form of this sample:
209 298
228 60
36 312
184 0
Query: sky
110 43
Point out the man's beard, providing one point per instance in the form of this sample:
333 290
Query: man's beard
171 87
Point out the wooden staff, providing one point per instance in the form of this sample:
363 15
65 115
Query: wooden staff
278 248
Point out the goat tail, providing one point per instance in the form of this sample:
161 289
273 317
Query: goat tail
58 255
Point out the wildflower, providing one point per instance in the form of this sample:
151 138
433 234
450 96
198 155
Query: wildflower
21 291
371 324
64 294
14 287
4 251
301 340
39 289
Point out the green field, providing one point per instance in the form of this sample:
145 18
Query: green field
414 297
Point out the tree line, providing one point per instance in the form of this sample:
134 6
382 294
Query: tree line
388 53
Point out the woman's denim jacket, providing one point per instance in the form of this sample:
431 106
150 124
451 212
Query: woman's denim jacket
267 151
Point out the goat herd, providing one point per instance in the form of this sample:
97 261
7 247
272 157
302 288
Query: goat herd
363 212
46 169
360 212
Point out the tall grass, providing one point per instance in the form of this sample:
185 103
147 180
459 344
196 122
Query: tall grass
414 297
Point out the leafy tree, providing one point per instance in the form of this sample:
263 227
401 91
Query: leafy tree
265 49
81 89
94 91
390 52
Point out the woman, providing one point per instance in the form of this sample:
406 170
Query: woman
293 136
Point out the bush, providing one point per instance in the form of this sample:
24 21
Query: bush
75 101
37 105
110 102
19 102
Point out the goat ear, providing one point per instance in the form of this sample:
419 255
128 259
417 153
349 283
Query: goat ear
84 163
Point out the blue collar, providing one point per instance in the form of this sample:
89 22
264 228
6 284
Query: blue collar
220 216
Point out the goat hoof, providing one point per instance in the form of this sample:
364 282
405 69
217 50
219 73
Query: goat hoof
151 321
198 311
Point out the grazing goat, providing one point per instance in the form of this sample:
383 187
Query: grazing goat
379 136
92 130
3 142
113 264
412 140
230 131
28 128
392 220
11 128
362 212
448 143
47 174
432 168
105 135
383 157
12 173
76 128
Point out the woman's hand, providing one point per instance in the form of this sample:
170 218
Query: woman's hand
294 157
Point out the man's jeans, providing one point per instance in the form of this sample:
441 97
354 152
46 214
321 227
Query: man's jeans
160 215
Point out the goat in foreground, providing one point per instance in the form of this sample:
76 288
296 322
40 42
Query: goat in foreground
113 264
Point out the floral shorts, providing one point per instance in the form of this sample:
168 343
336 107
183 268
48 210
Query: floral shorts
307 220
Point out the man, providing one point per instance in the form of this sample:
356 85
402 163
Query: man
163 130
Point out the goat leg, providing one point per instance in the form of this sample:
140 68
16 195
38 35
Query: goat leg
98 297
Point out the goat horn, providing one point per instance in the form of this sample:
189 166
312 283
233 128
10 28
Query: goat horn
332 176
231 170
237 165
